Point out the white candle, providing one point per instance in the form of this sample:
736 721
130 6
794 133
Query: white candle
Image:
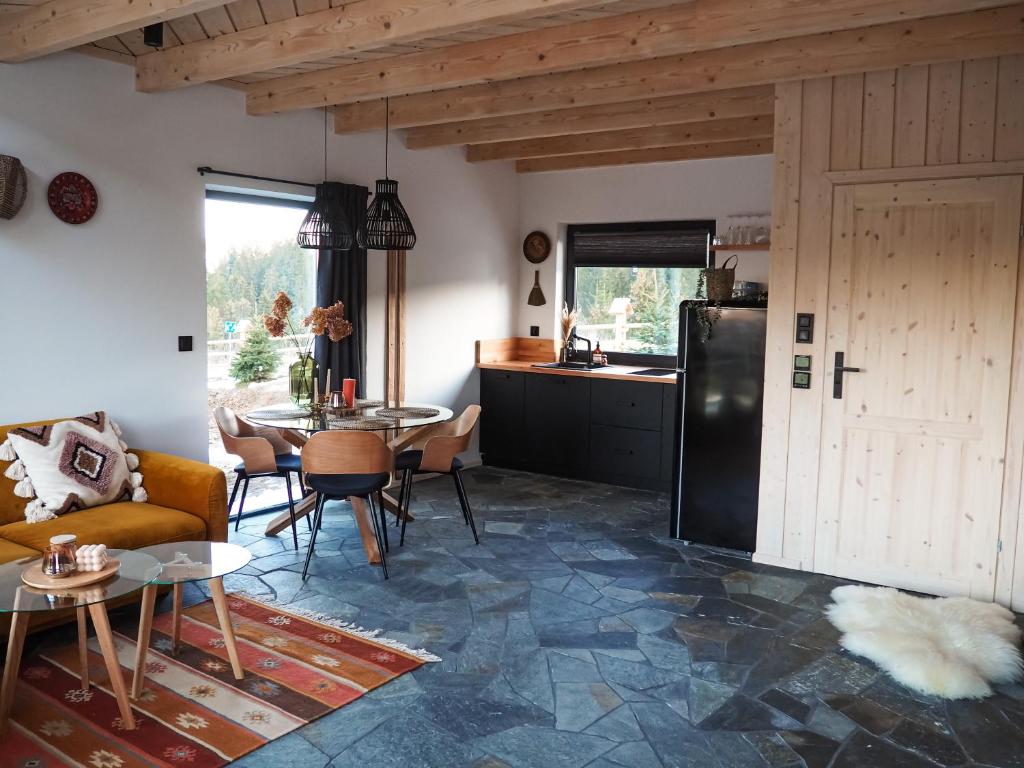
327 388
316 385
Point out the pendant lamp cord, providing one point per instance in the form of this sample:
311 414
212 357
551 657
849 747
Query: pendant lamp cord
325 142
387 133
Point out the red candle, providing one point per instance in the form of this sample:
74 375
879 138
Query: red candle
348 387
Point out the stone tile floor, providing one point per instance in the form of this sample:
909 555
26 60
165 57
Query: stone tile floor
577 634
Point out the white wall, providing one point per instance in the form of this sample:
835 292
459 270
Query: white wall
91 314
695 189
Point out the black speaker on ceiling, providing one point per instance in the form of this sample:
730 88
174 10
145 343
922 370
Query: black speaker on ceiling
153 35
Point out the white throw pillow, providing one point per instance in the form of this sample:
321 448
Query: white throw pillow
71 465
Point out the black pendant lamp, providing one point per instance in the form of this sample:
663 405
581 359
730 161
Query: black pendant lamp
388 227
326 226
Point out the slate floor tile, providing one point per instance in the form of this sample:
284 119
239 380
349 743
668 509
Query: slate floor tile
576 635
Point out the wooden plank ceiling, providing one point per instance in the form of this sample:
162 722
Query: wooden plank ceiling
550 84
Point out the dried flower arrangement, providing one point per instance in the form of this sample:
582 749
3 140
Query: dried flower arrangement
568 322
330 320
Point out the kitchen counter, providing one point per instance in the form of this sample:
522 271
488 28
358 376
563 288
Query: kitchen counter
523 354
621 372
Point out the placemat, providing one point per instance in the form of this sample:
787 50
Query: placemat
369 403
408 413
352 422
278 413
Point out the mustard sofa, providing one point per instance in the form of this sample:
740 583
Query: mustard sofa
187 502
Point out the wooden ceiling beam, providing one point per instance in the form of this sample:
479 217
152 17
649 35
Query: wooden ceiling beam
58 25
730 129
694 26
361 25
654 155
671 110
946 38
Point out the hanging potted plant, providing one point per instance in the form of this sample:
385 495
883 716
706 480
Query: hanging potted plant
707 312
304 372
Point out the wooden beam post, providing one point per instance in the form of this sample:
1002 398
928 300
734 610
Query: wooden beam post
61 24
655 155
947 38
671 110
394 361
352 27
700 25
733 129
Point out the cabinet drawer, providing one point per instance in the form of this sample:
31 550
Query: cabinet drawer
636 405
618 452
501 418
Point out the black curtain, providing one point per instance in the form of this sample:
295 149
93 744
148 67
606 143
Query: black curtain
341 276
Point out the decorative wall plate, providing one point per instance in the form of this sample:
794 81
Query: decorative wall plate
536 247
72 198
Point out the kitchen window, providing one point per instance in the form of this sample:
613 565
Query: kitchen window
627 280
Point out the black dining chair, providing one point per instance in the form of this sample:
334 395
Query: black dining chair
264 453
349 465
437 450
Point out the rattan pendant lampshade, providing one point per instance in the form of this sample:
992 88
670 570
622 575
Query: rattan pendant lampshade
326 227
388 227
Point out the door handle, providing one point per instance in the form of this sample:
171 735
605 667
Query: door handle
837 375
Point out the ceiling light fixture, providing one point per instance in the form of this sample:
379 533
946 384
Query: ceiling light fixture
388 227
326 227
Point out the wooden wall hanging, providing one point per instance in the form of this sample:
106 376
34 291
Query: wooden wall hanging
13 186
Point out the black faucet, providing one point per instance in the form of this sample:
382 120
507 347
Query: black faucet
590 350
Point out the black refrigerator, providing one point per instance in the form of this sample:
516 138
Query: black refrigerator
719 398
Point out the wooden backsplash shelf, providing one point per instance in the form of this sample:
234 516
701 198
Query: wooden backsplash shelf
518 349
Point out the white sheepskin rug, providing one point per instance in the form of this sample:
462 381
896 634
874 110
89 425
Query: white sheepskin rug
951 647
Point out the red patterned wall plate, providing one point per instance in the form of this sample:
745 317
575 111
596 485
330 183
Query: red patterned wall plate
72 198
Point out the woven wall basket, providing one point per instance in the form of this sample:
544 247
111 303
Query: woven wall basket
719 282
13 186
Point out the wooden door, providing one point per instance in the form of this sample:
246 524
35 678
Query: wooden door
921 299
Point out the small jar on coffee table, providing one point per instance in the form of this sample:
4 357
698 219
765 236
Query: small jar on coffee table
182 562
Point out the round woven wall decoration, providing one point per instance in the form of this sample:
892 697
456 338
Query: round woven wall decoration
13 186
72 198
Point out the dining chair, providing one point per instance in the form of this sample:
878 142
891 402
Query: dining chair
436 449
264 453
341 464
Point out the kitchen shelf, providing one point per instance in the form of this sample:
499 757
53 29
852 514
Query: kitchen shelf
742 247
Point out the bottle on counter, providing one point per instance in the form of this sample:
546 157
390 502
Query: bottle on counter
598 357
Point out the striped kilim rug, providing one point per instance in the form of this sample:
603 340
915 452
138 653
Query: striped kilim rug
192 711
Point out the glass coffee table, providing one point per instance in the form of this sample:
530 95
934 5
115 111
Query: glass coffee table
21 601
182 562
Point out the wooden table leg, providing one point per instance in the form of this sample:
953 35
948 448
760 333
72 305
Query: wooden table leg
304 506
15 645
98 612
83 647
142 644
220 603
179 594
361 512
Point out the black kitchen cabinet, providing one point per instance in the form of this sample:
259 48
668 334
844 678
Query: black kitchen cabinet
607 430
502 436
557 424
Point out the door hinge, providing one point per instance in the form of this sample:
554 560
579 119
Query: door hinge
999 545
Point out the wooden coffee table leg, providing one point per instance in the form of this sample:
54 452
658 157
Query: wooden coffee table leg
15 644
83 647
362 515
98 612
179 594
220 603
142 645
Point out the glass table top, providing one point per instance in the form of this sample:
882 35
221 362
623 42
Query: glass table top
196 560
367 416
137 570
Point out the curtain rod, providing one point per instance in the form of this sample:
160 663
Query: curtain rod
205 169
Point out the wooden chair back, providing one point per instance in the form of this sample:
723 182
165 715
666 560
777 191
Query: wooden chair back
257 452
449 440
343 452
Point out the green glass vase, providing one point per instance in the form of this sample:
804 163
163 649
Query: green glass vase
301 375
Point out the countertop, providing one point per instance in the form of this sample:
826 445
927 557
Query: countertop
621 372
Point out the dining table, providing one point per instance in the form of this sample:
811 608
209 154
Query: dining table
400 423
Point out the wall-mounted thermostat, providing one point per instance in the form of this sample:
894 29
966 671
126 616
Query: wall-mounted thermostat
801 362
804 328
801 379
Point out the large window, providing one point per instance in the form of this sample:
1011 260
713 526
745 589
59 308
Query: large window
627 280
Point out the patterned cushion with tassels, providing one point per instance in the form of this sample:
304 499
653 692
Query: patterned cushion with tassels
71 465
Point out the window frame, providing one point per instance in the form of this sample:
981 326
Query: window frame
572 263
